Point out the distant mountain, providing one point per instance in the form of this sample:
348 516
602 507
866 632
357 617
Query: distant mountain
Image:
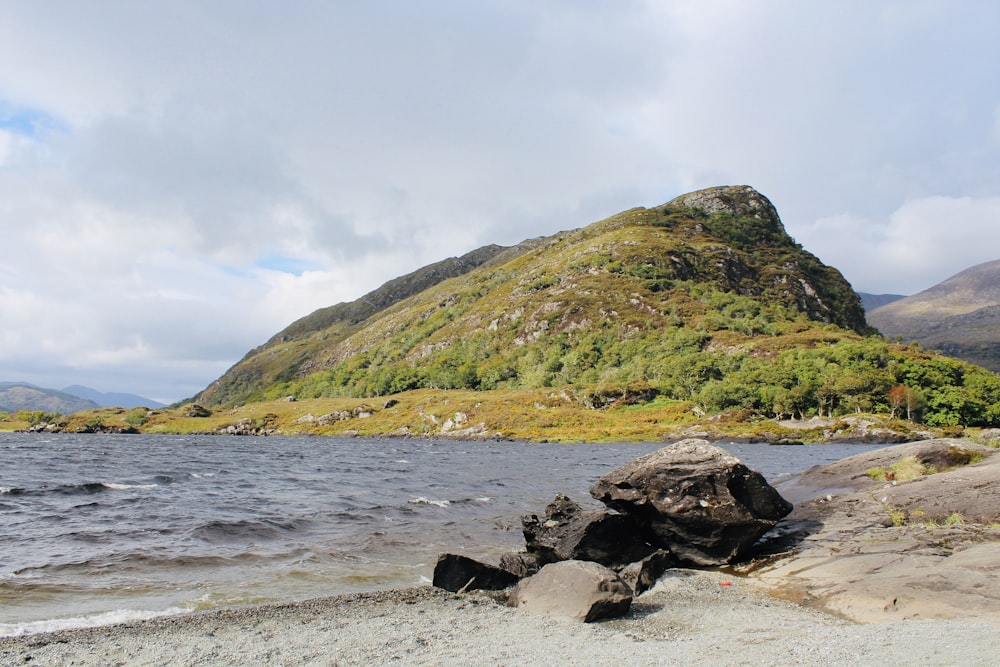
16 396
873 301
112 399
960 316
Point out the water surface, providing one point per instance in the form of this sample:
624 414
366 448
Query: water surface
98 528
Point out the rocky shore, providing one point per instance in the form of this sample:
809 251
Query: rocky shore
905 532
889 557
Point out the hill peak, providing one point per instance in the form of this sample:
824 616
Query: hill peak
736 200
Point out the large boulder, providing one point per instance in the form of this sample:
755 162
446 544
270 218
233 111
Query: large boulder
577 589
568 532
696 500
454 572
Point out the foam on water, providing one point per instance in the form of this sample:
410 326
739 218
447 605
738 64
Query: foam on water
125 487
429 501
88 621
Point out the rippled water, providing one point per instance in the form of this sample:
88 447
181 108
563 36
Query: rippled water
97 528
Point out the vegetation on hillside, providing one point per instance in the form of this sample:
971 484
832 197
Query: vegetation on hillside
705 300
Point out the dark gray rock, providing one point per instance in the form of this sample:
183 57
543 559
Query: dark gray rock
568 532
642 575
455 572
576 589
195 410
696 500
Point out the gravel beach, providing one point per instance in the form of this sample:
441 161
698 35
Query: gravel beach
689 618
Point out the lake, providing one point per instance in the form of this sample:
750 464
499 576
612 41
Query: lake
101 528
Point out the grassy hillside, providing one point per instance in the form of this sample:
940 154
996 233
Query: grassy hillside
960 316
585 306
704 301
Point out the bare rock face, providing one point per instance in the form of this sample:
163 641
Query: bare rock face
577 589
736 200
568 532
694 499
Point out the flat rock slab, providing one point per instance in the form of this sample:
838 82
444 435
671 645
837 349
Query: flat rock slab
852 560
582 590
851 474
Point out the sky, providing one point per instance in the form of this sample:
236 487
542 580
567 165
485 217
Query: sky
180 180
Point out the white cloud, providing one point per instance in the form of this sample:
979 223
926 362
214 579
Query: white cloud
922 243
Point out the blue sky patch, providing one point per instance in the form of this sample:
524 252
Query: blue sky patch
291 265
28 122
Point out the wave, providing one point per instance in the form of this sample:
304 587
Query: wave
40 577
125 487
429 501
224 531
85 488
88 621
423 500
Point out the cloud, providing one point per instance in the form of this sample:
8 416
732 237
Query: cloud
923 242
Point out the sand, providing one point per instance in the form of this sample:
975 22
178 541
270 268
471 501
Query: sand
688 618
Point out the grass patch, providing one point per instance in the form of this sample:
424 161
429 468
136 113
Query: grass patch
904 470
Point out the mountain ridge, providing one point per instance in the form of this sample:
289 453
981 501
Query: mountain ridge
18 396
112 399
959 316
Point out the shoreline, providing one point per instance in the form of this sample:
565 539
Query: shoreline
688 617
843 583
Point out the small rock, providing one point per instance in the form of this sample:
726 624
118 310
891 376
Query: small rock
576 589
642 575
455 572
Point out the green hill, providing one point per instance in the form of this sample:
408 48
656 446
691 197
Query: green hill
705 299
960 316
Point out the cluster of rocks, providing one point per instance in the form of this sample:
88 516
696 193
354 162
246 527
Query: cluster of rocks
688 504
248 426
362 411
